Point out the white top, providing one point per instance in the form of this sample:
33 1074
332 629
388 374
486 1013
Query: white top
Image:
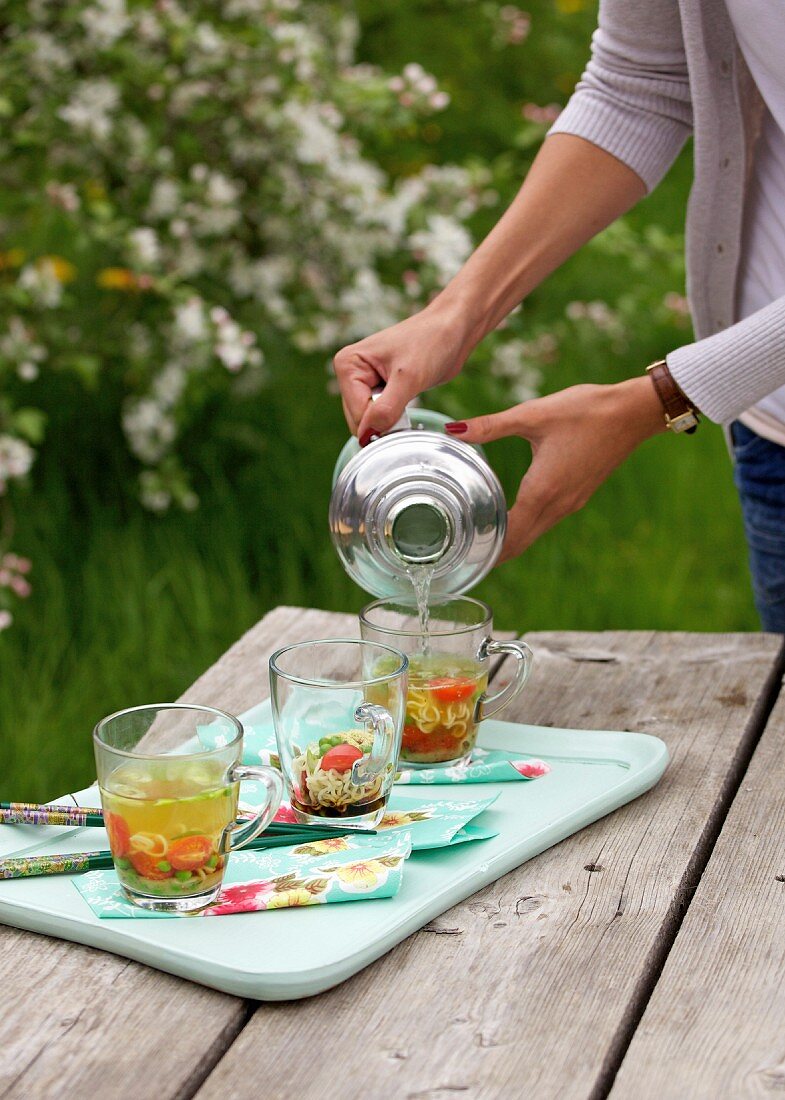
760 30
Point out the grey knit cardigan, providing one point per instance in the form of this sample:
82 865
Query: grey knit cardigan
659 71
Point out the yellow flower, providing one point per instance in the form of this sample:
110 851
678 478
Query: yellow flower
288 898
332 844
120 278
393 820
363 874
116 278
63 270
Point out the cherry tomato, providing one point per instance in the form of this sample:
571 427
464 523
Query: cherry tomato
188 853
147 866
119 834
440 740
340 758
452 689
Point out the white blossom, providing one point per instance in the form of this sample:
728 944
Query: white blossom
190 321
149 429
445 243
48 55
89 109
41 282
105 22
164 199
221 191
16 459
144 245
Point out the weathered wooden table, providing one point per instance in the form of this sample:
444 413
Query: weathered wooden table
642 957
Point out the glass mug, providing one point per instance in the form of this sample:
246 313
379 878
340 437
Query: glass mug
169 776
338 725
448 674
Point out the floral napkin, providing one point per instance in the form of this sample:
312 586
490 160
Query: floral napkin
341 868
434 824
486 766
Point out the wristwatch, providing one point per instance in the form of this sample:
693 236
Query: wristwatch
680 415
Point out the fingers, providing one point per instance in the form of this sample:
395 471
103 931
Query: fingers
357 374
380 415
484 429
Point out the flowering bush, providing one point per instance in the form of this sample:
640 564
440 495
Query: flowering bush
181 184
185 187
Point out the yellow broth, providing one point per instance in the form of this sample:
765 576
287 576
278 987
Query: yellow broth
165 821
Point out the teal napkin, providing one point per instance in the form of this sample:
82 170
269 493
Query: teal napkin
341 868
436 824
486 766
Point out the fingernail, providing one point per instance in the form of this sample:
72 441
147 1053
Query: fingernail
456 427
368 437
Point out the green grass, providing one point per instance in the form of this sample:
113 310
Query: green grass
128 608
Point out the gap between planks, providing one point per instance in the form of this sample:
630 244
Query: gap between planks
683 898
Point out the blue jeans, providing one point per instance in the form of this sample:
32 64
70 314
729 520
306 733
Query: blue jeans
760 478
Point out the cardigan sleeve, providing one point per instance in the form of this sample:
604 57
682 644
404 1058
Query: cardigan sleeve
729 372
633 99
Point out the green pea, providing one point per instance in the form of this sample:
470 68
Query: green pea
181 876
337 740
164 866
123 864
212 861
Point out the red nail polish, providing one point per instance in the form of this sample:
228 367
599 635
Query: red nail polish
368 437
457 427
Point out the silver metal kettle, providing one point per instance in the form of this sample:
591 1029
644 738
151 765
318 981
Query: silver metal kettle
416 497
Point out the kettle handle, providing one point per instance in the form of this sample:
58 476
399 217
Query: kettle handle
403 423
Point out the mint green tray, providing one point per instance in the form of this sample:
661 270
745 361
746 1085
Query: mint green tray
290 953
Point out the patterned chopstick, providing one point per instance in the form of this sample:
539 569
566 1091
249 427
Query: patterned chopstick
28 866
30 813
65 864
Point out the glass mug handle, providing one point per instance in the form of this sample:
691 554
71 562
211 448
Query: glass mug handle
369 768
237 835
489 705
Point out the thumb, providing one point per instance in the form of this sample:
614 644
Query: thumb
485 429
380 414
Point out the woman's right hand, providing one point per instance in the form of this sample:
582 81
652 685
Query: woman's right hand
407 358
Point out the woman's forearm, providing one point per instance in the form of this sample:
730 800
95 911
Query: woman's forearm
573 190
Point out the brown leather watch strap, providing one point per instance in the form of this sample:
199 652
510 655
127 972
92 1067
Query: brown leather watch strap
680 415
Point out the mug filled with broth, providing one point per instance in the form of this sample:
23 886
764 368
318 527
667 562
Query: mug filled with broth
449 646
169 776
338 708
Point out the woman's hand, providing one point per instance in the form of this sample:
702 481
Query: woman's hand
578 437
407 358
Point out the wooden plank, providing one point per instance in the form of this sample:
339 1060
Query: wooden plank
714 1025
93 1023
530 984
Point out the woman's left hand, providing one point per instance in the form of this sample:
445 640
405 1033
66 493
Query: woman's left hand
578 437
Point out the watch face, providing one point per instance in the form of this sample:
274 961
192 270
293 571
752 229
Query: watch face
683 422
